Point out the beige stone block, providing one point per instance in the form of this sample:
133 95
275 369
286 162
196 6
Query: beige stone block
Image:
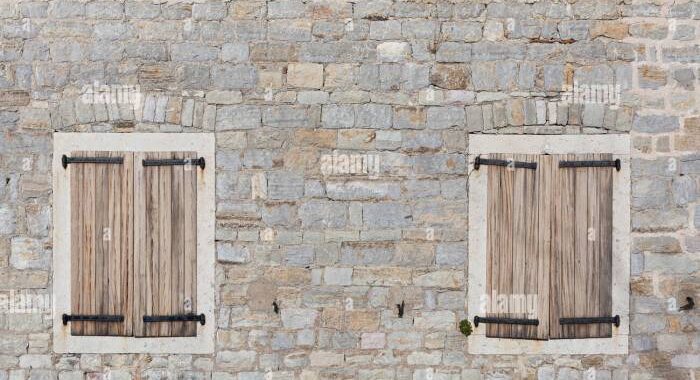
610 29
321 138
305 75
362 320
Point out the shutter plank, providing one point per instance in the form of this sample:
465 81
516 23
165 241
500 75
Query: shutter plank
152 255
77 256
545 208
532 253
102 232
493 224
518 237
140 245
605 198
165 236
592 251
190 243
582 269
556 251
568 248
505 278
177 245
88 291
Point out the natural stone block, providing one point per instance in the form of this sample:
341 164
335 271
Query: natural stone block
27 253
393 51
295 318
236 360
450 76
305 75
326 359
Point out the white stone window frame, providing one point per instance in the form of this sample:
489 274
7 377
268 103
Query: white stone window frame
616 144
204 145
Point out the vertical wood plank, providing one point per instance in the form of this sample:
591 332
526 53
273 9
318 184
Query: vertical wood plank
605 194
190 243
76 173
582 269
152 302
518 237
127 239
88 291
592 251
141 245
101 243
177 240
505 283
568 247
114 258
533 275
165 275
556 261
543 244
493 219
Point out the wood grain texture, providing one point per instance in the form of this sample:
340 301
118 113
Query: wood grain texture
546 207
99 243
605 239
190 243
493 213
166 246
512 235
582 257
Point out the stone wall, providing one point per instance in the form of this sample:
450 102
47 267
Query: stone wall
293 88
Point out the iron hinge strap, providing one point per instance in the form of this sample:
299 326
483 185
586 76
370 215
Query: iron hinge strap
176 318
478 161
586 320
506 321
176 161
91 318
591 164
65 160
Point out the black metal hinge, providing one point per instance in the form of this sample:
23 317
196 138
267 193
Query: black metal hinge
506 321
478 161
586 320
176 318
65 160
91 318
176 161
591 164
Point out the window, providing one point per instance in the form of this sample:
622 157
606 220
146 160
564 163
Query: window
549 258
134 242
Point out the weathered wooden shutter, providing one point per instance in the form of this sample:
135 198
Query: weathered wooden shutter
101 243
515 259
165 201
581 264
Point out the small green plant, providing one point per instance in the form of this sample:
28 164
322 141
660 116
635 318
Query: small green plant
465 327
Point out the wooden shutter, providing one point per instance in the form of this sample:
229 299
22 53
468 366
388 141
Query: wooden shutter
581 264
101 243
514 258
165 201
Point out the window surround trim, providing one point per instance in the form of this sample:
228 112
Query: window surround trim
616 144
204 145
